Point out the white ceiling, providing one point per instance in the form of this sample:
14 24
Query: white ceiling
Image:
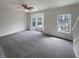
39 4
45 4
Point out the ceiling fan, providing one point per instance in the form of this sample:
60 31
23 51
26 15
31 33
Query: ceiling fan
25 6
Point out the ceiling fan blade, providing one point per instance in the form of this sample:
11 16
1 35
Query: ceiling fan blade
29 8
25 6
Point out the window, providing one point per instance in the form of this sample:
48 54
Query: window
64 23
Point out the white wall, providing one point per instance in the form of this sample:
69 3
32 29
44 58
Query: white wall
50 19
11 20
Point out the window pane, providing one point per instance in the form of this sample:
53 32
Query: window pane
33 22
39 23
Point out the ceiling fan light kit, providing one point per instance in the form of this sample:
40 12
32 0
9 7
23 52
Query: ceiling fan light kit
25 10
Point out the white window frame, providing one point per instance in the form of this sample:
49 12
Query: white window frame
62 31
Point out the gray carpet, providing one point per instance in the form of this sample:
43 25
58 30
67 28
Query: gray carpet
1 53
33 44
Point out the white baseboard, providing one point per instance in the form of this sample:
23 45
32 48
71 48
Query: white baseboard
10 33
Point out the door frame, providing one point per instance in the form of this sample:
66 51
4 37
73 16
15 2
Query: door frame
35 15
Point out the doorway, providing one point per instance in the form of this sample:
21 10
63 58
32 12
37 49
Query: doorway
37 22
